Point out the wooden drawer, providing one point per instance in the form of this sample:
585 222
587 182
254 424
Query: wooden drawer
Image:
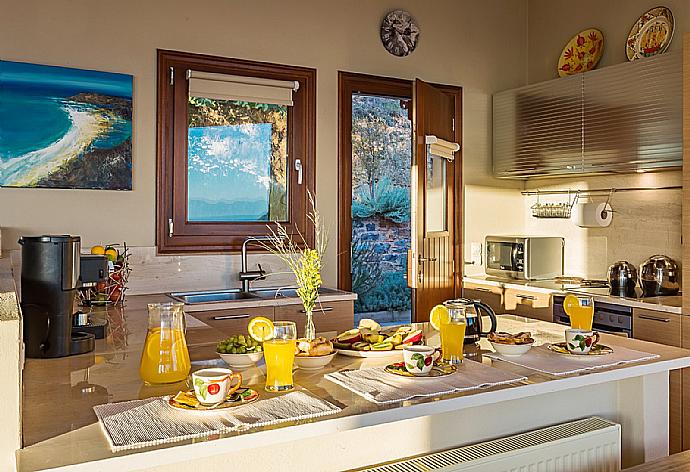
489 294
530 304
665 328
329 317
232 321
657 327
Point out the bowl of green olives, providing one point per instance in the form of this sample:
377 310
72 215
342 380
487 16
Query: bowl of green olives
240 351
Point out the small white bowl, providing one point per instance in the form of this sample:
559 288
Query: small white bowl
511 350
241 361
314 362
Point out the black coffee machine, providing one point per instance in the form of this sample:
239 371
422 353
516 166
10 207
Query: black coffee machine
50 278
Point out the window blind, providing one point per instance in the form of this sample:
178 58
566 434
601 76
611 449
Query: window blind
246 89
441 148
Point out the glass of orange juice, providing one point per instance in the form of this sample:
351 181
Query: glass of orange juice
279 355
165 358
580 309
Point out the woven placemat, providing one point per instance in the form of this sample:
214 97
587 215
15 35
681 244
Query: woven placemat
143 423
379 386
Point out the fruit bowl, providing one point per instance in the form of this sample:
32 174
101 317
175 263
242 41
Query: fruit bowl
241 361
511 350
314 362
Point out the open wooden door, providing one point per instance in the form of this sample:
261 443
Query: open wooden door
433 272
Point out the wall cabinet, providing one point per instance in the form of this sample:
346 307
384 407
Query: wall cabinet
666 328
620 118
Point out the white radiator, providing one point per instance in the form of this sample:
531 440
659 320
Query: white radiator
591 445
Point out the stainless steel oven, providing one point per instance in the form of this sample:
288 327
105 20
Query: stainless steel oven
524 257
608 318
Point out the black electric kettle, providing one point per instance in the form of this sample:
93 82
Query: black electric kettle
472 310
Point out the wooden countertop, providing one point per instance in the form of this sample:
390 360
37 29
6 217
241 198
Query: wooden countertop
676 463
60 427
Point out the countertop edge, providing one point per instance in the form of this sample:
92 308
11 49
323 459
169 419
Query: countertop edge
162 457
597 298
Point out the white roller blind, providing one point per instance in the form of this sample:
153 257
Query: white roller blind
246 89
442 148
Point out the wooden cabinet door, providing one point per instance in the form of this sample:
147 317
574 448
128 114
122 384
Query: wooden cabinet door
685 379
329 317
489 294
665 328
530 304
232 321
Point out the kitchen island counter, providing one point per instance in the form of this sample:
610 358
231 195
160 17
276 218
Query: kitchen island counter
60 428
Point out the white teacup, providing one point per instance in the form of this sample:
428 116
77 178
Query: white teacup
419 360
212 386
580 341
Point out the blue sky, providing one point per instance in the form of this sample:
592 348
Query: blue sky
36 75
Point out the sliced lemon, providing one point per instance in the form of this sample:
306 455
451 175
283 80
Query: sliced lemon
439 315
570 302
260 328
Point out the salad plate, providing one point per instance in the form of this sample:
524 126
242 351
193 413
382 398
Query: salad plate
440 369
597 350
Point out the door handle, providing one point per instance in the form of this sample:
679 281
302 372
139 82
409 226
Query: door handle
481 289
299 168
323 309
654 318
426 259
230 317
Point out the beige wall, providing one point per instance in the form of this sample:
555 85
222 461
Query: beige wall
552 23
467 43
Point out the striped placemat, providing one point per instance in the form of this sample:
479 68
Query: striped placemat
379 386
143 423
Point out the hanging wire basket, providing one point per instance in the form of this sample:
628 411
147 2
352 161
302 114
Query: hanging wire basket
554 210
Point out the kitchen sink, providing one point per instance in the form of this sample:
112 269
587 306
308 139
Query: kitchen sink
194 298
216 296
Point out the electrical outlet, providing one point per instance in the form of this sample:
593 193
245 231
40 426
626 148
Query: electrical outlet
476 253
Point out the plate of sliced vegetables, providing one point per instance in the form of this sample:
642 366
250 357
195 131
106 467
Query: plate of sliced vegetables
370 340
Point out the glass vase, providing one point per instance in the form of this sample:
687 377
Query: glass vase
309 329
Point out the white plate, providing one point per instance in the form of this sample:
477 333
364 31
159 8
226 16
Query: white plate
371 354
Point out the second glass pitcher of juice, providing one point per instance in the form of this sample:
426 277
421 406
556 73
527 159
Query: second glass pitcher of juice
165 358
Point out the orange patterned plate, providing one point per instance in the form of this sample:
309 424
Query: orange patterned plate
651 34
581 53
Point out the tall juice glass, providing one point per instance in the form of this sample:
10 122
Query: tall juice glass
453 336
279 355
165 358
580 309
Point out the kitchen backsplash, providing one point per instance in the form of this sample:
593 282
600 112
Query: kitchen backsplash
152 273
644 223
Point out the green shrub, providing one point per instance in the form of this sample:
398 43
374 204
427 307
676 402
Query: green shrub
388 201
390 292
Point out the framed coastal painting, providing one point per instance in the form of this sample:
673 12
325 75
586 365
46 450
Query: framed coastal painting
64 128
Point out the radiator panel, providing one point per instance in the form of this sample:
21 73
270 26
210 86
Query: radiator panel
591 444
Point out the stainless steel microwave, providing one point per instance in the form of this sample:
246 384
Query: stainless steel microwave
524 257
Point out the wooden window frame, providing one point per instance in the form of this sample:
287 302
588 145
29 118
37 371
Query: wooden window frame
171 198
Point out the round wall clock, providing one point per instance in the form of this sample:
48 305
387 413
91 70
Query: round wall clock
399 33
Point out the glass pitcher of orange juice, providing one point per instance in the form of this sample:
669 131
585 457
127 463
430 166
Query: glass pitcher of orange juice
165 358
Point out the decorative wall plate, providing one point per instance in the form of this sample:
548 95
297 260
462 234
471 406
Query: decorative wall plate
399 33
651 34
581 53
